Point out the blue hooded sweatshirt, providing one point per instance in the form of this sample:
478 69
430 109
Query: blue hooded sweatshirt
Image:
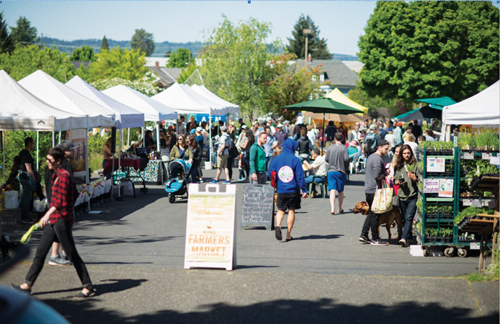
289 169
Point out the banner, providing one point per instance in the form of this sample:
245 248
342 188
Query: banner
79 161
204 118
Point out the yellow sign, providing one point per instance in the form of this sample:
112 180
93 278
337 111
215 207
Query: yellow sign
210 228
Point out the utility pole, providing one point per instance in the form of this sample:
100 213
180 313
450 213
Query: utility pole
41 41
189 58
306 32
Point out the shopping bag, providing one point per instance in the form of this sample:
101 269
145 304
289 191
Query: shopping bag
382 202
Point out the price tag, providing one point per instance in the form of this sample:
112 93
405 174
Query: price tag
467 202
475 246
468 156
486 156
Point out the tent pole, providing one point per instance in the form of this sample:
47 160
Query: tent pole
128 136
60 134
86 160
323 131
119 198
158 136
53 138
3 150
143 138
210 149
37 149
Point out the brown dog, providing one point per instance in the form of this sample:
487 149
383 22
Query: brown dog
386 218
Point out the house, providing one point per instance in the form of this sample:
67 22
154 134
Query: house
165 76
336 73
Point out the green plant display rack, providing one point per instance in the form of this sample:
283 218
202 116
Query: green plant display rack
437 223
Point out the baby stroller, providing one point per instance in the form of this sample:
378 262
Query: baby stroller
179 175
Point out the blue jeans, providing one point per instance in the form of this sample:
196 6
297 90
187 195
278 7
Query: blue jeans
25 198
408 210
316 179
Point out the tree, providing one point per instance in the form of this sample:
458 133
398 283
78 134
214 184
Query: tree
23 34
315 46
430 49
143 41
372 102
168 53
288 84
234 61
186 73
143 86
25 60
179 58
6 43
84 54
118 63
104 43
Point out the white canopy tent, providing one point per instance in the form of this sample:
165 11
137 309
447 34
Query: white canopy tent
152 109
126 117
230 107
58 95
184 102
480 109
22 111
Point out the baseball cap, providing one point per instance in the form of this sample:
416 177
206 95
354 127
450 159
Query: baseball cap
279 125
66 145
389 129
192 131
244 126
199 129
372 127
223 129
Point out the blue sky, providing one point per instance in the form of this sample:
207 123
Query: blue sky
340 22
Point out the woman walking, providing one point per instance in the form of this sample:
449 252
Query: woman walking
408 190
57 224
196 152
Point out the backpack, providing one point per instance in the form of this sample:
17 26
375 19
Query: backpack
233 151
370 144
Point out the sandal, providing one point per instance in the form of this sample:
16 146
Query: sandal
18 288
290 239
91 293
277 233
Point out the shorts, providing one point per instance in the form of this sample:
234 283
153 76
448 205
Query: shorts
290 201
336 181
222 161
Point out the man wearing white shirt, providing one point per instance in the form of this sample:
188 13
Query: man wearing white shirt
319 169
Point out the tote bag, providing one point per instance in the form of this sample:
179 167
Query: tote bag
382 202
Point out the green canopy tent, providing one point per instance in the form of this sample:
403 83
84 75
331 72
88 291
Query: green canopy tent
432 111
437 102
325 106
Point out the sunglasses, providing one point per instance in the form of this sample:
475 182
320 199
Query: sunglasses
50 161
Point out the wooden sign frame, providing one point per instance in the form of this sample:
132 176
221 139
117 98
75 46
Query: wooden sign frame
211 227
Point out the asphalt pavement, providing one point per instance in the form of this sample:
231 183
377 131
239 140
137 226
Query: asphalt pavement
134 250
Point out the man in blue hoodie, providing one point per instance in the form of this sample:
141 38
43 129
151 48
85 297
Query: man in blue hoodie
290 176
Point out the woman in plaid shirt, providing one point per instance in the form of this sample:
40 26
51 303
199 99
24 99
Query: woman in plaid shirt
57 223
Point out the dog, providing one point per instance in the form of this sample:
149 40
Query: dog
394 215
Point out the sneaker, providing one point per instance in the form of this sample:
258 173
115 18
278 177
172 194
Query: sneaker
364 239
214 181
376 242
402 242
242 179
226 182
58 261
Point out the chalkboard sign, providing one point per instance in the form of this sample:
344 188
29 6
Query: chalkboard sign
258 206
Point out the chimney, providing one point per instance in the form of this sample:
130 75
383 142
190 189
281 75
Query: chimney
309 58
157 64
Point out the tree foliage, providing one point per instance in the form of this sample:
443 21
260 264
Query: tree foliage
234 62
288 84
28 59
83 54
316 46
372 102
118 63
186 73
179 58
6 43
144 85
104 43
23 34
143 41
427 49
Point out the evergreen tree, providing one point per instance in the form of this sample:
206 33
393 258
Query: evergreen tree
143 41
83 54
6 43
168 53
179 58
104 44
23 34
315 46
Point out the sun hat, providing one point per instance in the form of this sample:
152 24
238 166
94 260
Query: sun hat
373 126
223 129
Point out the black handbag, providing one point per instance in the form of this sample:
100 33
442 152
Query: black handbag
233 151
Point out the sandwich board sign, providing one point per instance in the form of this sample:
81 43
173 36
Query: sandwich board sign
211 228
